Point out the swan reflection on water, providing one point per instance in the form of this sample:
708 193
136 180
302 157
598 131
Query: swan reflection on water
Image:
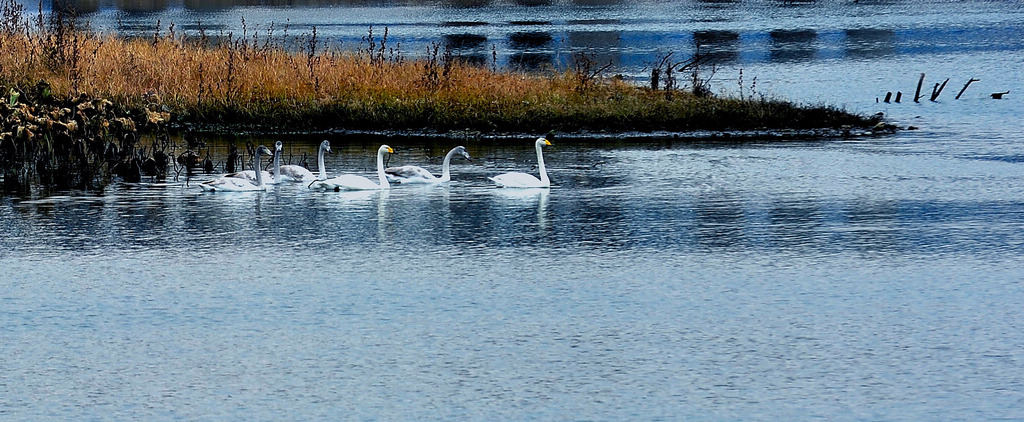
525 195
352 195
382 215
520 198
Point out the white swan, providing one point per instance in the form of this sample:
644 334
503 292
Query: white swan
354 182
291 172
517 179
239 184
417 174
250 175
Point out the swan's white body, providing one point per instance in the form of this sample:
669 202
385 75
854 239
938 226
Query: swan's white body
290 172
296 173
517 179
238 184
417 174
354 182
250 176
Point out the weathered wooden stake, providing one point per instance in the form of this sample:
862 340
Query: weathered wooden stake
938 91
972 80
888 96
899 96
917 95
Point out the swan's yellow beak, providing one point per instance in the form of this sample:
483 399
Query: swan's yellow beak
547 142
390 151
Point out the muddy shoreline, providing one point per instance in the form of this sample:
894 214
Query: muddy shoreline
881 129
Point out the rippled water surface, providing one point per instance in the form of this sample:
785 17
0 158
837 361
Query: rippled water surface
863 279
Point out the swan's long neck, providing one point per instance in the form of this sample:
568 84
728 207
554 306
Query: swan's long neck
320 164
540 163
380 171
446 167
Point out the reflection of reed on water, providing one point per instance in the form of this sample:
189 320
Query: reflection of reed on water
526 40
142 5
525 46
78 7
463 4
468 48
602 46
532 3
529 23
792 45
596 2
718 223
720 47
869 43
464 41
456 24
210 5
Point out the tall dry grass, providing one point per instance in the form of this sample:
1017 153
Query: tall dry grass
254 79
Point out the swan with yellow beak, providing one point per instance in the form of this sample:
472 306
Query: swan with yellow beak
515 179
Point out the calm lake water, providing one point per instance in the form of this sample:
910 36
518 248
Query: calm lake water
662 279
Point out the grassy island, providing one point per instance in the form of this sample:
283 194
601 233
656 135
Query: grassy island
76 106
295 83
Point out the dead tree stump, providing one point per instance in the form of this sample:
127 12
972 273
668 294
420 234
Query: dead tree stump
917 94
969 82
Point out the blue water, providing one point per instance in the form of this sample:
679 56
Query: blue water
660 279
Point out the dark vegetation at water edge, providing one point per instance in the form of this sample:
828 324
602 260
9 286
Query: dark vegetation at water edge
258 79
80 143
